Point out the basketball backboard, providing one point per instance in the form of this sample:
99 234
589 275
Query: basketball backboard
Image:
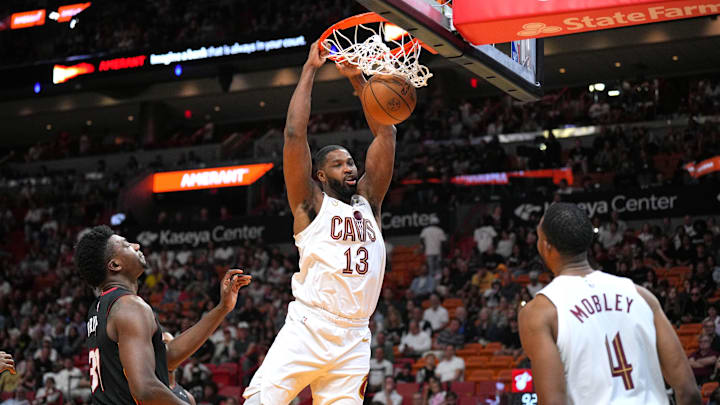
515 68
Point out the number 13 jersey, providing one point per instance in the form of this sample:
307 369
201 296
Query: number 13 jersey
342 259
607 341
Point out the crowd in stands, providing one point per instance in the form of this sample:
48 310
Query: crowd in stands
443 139
162 25
431 322
448 311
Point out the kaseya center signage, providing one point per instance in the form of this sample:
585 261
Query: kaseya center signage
216 177
635 204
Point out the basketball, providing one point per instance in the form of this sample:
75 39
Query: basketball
388 99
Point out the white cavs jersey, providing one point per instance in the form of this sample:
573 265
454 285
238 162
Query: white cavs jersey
342 260
607 341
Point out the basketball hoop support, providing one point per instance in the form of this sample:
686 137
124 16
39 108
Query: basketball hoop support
432 27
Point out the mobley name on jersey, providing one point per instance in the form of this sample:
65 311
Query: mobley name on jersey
601 303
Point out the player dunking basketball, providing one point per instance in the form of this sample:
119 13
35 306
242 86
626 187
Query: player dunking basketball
128 359
325 341
594 338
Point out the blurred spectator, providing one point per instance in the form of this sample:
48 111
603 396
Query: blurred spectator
225 349
433 392
436 314
210 395
195 374
432 238
423 284
534 285
404 374
379 369
695 307
71 381
450 367
48 394
484 236
703 360
388 395
427 372
415 342
450 336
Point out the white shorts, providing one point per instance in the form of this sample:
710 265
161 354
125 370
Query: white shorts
329 353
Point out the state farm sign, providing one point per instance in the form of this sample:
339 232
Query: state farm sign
497 22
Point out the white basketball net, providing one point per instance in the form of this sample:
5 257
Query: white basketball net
373 56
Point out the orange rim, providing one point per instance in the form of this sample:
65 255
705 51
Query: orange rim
369 18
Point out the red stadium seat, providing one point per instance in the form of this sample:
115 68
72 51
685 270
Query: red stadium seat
469 401
463 388
483 388
407 389
233 391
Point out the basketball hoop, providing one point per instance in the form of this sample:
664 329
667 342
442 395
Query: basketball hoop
370 49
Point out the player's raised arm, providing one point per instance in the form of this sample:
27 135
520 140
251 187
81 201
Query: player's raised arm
297 162
183 346
380 158
536 334
673 361
133 322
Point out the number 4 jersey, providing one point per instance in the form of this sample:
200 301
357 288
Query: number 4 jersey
108 382
342 259
606 338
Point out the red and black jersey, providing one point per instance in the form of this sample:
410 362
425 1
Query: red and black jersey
108 381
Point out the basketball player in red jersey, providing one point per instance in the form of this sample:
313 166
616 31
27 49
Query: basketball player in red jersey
594 338
128 359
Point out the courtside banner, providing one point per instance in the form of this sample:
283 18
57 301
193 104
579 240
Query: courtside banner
486 22
228 176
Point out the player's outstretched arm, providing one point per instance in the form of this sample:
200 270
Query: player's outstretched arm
297 162
183 346
673 361
133 323
380 158
535 321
